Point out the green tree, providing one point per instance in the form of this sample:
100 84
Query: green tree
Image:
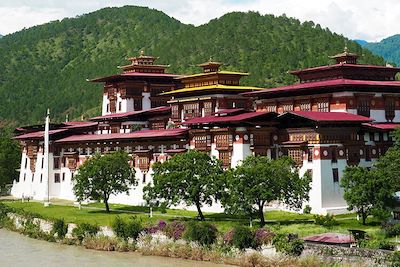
359 189
10 156
259 180
367 191
101 176
191 178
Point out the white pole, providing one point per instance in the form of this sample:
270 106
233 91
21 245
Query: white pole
46 160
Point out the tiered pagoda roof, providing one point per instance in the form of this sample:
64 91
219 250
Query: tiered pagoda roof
211 81
344 75
141 67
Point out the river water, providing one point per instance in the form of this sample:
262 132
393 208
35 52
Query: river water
19 251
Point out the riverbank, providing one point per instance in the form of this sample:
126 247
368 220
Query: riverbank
166 238
20 251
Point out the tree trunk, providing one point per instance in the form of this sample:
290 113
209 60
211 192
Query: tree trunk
364 218
199 211
261 214
106 203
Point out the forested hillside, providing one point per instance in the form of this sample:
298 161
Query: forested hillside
388 48
47 65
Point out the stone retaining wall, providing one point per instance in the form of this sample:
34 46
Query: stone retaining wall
368 257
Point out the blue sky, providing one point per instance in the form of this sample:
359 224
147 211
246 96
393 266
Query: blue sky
371 20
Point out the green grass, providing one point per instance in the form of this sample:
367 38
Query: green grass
279 221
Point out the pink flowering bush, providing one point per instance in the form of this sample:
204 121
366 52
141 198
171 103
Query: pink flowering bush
174 230
263 236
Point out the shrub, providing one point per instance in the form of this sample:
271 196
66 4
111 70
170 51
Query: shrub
228 236
286 245
84 230
392 230
327 221
60 228
242 237
263 236
174 230
152 229
394 259
203 233
307 209
377 244
129 229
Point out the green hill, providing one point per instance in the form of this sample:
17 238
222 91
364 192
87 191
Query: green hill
388 48
47 65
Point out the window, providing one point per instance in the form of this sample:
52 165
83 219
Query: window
56 178
72 175
208 110
33 177
296 155
41 178
271 108
310 155
323 106
363 107
63 176
24 177
305 106
26 163
191 110
108 108
334 154
390 109
287 107
175 112
144 178
335 174
42 162
225 157
119 106
56 163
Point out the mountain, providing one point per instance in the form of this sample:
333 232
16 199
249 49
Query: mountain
1 35
388 48
47 65
360 42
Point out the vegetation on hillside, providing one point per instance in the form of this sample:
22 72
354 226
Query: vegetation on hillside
388 48
47 66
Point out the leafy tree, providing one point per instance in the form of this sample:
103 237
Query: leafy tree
101 176
191 178
10 156
259 180
367 191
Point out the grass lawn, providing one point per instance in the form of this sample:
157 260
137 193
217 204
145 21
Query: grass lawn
279 221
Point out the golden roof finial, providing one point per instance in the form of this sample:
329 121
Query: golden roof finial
141 53
346 50
210 60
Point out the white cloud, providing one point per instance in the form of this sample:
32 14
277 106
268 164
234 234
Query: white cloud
357 19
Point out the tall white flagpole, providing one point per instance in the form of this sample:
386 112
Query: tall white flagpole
46 160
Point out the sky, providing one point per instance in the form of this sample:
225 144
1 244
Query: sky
370 20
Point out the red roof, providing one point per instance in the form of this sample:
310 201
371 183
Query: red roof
329 116
327 83
39 134
79 124
234 118
331 238
341 65
131 113
382 126
229 111
118 136
134 74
